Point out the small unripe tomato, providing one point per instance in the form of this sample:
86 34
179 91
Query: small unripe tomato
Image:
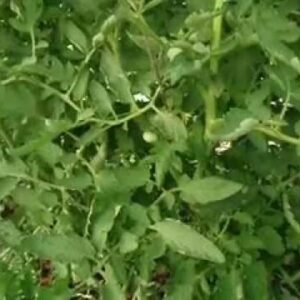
149 137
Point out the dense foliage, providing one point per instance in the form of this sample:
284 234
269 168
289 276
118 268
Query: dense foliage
149 149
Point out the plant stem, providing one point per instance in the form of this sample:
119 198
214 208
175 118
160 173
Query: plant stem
216 36
210 108
37 181
46 87
89 215
285 105
278 135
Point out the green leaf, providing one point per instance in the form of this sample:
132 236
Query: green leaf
78 181
185 240
29 11
50 153
101 99
227 287
271 240
128 242
255 103
14 168
80 89
9 234
111 66
64 248
163 154
123 179
182 285
256 282
209 189
7 185
236 123
112 289
171 127
76 36
16 101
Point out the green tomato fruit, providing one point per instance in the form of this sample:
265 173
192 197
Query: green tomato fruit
149 137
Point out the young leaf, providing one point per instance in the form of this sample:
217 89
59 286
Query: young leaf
209 189
185 240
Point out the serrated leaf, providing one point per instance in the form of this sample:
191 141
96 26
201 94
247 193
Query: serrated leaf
185 240
209 189
59 247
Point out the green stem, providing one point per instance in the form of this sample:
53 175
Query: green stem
210 108
37 181
216 36
278 135
46 87
285 106
89 215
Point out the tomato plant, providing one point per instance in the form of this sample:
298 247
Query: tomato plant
149 149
